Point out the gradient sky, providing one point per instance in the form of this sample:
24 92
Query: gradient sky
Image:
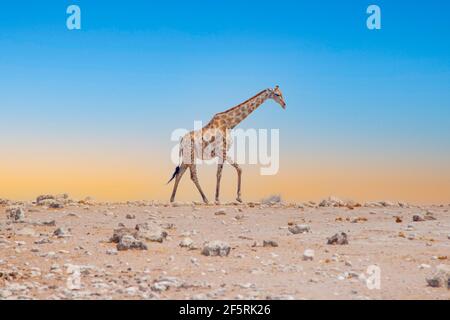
90 111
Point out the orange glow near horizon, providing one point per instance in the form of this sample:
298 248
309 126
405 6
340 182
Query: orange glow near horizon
106 178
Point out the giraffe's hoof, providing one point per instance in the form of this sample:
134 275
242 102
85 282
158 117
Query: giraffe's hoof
206 201
217 202
239 200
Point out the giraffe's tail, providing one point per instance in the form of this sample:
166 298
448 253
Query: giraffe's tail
177 170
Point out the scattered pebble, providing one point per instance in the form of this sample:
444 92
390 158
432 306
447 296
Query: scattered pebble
270 243
165 283
299 228
338 238
308 255
186 243
220 212
62 233
111 252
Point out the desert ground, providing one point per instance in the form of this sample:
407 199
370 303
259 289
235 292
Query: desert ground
58 248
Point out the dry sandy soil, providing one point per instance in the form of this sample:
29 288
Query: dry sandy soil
37 264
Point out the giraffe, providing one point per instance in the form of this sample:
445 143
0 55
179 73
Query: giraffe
214 140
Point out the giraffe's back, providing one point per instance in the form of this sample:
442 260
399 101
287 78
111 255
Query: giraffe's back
204 144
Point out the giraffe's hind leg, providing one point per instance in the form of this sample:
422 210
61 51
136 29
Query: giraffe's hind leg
219 176
183 168
222 152
239 173
197 184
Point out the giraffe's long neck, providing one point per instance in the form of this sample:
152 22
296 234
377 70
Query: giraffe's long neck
242 111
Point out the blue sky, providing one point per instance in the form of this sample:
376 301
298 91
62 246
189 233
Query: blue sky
139 69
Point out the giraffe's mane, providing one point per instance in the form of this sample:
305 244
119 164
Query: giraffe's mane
235 107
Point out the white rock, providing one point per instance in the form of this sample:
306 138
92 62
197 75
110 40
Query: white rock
151 232
186 243
216 248
441 278
129 242
299 228
270 200
131 291
5 293
247 285
111 252
164 283
308 255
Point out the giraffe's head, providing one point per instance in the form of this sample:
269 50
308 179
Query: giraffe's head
277 96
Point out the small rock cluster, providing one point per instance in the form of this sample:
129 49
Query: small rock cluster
273 199
127 238
440 278
216 248
336 202
429 216
15 214
127 242
53 201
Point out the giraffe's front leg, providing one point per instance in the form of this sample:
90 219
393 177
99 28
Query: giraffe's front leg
239 174
219 176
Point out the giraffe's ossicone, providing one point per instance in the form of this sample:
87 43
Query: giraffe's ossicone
214 141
